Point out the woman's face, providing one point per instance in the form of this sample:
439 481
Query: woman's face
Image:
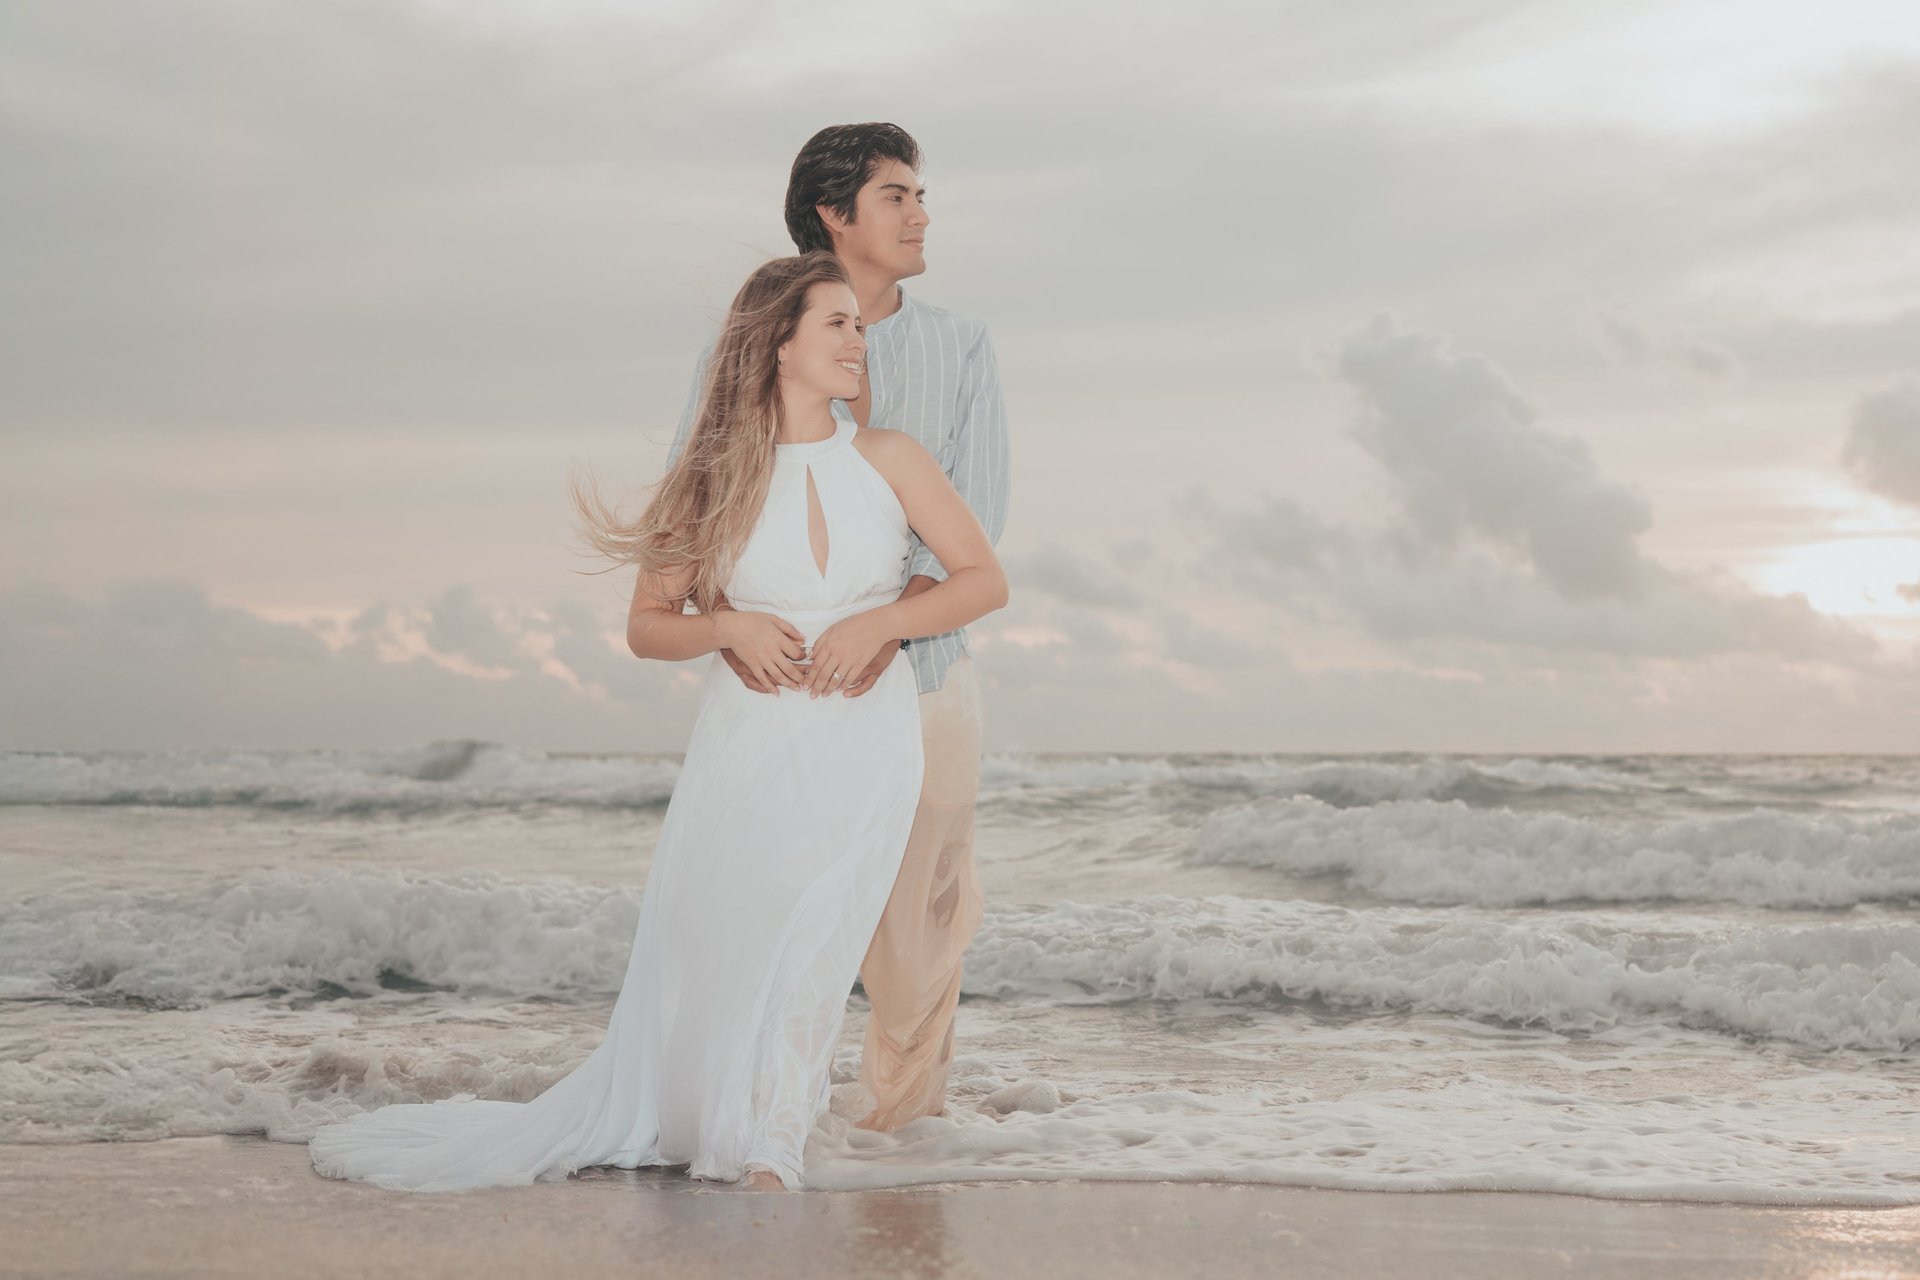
828 352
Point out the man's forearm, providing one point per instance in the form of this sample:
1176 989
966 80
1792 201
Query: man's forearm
965 595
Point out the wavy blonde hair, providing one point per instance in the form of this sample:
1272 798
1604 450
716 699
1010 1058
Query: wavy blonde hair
706 505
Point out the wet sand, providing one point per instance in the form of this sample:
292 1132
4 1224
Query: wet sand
212 1207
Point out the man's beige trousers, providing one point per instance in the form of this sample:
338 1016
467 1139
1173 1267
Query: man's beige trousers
912 968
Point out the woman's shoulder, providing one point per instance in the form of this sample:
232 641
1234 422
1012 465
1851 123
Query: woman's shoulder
891 451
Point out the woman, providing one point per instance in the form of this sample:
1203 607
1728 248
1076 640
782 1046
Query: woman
792 809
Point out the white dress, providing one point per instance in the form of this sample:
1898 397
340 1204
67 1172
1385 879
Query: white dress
776 856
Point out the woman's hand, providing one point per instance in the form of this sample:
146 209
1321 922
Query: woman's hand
842 652
878 667
768 646
734 664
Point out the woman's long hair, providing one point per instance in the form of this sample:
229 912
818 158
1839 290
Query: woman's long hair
705 507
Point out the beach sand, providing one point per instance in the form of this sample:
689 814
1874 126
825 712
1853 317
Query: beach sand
220 1206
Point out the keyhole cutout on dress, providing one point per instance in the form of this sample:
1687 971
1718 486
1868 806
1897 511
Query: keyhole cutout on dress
816 526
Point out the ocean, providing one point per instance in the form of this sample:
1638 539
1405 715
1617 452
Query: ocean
1644 977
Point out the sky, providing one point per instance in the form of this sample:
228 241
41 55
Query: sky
1435 375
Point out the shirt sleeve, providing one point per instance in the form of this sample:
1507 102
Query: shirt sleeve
980 468
693 402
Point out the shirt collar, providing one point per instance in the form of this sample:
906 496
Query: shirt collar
906 301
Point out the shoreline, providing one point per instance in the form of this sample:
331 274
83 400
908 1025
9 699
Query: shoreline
245 1206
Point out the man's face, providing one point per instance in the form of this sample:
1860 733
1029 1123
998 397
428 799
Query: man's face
889 231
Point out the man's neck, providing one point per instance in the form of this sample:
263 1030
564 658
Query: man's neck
877 292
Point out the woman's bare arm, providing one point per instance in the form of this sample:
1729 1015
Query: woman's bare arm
975 585
659 627
767 646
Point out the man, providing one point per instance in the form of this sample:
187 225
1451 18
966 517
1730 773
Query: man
854 190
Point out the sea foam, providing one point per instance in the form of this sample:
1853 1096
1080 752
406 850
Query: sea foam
465 773
1446 852
1827 1139
1852 984
427 779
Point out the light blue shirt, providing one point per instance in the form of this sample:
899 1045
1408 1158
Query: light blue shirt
932 374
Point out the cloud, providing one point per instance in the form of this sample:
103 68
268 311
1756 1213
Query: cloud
159 665
1072 579
1455 436
1882 449
512 224
1639 347
508 234
156 664
459 626
1506 533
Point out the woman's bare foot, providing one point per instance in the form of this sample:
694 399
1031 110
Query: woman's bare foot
763 1180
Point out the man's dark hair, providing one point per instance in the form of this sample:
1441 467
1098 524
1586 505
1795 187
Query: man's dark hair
831 169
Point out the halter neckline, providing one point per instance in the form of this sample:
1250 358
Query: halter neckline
843 429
